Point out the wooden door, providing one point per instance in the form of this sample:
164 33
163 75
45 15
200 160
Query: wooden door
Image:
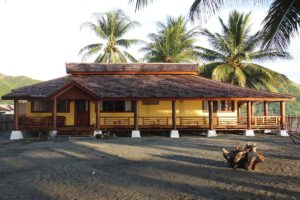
82 112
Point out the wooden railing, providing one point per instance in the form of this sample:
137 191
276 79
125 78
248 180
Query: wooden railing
224 122
33 123
194 122
116 121
155 121
257 122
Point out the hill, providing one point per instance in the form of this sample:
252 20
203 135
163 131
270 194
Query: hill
8 83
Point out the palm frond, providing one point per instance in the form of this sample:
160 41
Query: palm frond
206 70
130 57
209 54
223 73
281 23
89 51
269 54
128 42
140 3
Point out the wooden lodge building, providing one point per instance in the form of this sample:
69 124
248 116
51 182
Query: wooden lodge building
136 97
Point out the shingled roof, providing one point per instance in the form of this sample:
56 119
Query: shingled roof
144 86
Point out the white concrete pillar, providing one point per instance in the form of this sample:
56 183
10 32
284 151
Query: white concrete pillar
282 133
174 134
135 134
16 135
249 133
212 133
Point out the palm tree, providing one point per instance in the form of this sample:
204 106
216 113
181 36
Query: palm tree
233 52
172 43
280 24
110 27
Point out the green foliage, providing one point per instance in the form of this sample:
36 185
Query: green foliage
235 54
8 83
110 28
173 43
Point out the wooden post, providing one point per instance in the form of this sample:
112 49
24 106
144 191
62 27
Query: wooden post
97 115
173 115
249 115
266 109
54 111
16 115
136 115
210 115
282 115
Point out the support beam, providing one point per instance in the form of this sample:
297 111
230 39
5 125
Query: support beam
249 115
136 133
210 115
97 131
174 133
16 134
282 115
266 109
16 115
54 113
173 115
136 115
97 115
53 133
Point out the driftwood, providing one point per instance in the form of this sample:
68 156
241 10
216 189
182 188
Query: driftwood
246 158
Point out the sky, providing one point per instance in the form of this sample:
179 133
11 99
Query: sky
38 37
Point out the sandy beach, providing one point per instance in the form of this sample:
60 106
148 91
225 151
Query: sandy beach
191 167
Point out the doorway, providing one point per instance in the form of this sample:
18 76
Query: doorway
82 112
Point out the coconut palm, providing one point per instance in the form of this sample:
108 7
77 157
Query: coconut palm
173 42
110 28
280 25
235 54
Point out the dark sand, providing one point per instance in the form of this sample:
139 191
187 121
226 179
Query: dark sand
191 167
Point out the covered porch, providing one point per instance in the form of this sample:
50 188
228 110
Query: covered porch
84 116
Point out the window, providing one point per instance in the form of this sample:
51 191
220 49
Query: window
116 106
41 106
151 102
46 106
63 106
219 106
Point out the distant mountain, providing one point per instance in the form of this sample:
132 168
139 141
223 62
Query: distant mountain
8 83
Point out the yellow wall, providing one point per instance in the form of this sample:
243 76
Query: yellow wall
184 108
69 116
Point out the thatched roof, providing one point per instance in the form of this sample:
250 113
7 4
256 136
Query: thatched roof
143 86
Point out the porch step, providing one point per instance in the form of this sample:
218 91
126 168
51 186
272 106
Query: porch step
75 131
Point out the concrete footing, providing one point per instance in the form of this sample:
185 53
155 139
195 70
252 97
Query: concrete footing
16 135
174 134
267 131
282 133
53 133
212 133
97 133
249 133
135 134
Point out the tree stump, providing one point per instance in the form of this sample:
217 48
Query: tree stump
246 158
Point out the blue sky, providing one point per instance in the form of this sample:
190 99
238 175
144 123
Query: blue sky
39 37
